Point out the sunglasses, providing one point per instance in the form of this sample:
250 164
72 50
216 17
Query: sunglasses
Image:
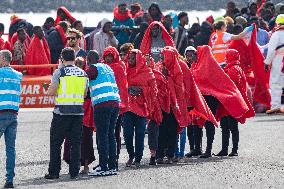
71 38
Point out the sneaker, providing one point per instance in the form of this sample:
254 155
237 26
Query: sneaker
222 153
160 161
169 161
113 171
99 172
51 177
9 185
152 161
233 154
129 163
272 111
176 159
137 164
94 168
74 177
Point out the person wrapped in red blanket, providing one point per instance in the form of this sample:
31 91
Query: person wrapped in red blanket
229 123
63 14
111 58
155 39
218 89
142 94
38 53
175 110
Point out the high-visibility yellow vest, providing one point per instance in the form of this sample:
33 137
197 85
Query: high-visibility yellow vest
72 86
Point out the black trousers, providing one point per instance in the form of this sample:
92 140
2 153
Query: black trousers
194 134
228 124
62 126
167 136
212 103
153 135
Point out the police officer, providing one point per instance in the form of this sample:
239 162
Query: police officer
275 58
9 106
69 84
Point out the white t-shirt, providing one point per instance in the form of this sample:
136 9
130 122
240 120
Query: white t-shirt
227 37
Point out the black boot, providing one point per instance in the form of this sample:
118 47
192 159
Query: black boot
190 154
222 153
207 153
152 161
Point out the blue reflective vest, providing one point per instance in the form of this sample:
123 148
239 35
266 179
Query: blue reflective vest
104 87
10 88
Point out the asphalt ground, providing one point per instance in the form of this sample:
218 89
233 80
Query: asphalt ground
260 163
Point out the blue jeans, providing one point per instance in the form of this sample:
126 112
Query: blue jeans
105 120
181 140
134 123
8 127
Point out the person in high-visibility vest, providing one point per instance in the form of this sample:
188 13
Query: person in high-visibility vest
70 85
275 58
9 105
220 40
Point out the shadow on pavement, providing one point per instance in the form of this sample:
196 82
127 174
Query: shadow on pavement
45 162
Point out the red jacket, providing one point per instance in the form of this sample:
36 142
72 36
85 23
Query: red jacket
38 53
119 70
237 75
212 80
145 46
142 76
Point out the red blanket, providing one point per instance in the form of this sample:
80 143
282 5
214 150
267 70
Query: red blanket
5 45
261 93
146 104
62 34
237 75
68 14
38 53
194 97
121 17
15 38
212 80
176 86
147 39
119 70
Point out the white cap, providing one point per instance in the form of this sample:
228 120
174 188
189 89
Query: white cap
189 48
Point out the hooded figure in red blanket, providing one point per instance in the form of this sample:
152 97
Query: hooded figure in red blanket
38 53
155 39
142 94
111 58
218 89
3 44
63 14
175 111
199 110
228 123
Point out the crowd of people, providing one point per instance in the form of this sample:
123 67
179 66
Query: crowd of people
145 72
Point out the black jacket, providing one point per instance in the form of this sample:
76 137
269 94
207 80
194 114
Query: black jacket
55 45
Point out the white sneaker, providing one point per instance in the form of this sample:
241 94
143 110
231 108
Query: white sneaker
113 171
98 172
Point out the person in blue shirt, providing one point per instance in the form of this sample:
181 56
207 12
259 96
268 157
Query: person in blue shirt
122 23
10 89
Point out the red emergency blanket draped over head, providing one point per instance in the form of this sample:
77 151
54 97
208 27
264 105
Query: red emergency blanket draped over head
119 70
237 75
147 39
261 93
193 96
175 86
212 80
146 104
38 53
68 14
